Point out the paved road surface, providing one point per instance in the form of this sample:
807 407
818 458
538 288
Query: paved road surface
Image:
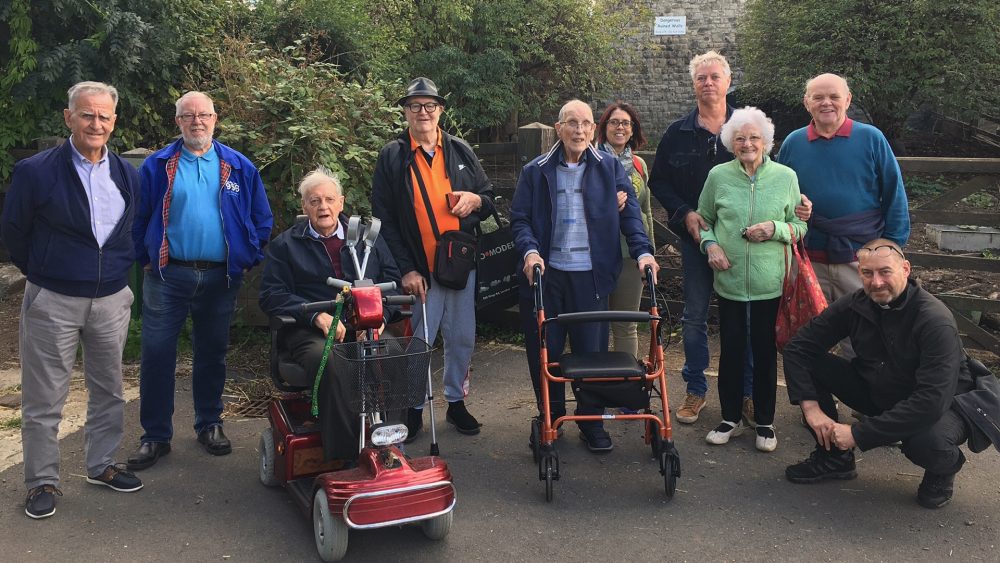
732 504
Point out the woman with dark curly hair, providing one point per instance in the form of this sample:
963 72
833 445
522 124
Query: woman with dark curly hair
619 132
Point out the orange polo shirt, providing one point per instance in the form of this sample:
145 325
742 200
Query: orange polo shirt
438 187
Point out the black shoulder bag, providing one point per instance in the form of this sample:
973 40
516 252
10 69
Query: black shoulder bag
455 255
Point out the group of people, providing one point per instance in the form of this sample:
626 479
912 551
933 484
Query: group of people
75 220
196 218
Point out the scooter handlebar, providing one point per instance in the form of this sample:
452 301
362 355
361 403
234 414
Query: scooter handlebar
400 299
319 307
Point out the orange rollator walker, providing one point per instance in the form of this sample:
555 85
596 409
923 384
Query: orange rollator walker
616 379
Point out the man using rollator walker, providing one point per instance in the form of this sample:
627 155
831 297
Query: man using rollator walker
563 208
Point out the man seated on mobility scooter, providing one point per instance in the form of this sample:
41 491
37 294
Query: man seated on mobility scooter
299 261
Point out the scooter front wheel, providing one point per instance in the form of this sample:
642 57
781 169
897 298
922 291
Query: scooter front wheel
267 456
329 532
438 527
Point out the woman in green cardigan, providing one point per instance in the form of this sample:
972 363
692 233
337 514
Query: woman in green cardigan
749 207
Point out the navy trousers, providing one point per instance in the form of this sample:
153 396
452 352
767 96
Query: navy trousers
563 292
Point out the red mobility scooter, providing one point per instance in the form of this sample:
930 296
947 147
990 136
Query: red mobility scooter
386 487
611 379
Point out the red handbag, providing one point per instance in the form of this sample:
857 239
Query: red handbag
801 295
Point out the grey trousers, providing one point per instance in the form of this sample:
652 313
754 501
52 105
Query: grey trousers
627 297
453 311
52 327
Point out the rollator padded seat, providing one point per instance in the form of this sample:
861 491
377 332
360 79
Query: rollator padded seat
600 364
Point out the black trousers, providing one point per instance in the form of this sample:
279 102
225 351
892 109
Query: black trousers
732 357
563 292
936 449
340 427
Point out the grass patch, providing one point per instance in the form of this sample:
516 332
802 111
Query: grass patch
505 335
11 423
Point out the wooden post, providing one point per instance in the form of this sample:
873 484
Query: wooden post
532 140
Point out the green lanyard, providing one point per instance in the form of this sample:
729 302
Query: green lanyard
330 336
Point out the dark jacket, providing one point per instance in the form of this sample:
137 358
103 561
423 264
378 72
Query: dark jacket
392 196
980 408
47 229
297 267
532 213
683 160
910 355
246 213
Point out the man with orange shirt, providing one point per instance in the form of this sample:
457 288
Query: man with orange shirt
425 165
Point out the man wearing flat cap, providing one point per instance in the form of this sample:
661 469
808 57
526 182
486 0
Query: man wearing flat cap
426 183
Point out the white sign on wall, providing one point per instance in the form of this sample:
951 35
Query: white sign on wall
670 25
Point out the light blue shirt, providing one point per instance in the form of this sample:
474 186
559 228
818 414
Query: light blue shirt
570 251
194 230
103 196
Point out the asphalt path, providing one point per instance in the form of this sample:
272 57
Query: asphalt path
732 502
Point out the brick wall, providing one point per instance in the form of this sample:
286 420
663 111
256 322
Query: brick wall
659 85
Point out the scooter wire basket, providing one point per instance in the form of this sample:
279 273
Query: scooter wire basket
387 374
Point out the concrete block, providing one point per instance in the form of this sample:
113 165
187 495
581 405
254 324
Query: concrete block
966 238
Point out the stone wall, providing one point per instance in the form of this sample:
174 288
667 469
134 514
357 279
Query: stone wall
659 84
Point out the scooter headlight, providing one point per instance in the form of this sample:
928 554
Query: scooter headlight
388 435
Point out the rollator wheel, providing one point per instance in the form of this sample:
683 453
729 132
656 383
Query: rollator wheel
655 442
549 473
329 531
671 464
536 439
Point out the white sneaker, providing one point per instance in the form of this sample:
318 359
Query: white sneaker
766 440
724 431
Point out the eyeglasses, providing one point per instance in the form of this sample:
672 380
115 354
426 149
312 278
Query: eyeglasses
189 117
881 251
578 125
429 107
318 201
712 148
754 139
616 123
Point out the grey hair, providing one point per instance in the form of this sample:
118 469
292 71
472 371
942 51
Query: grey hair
321 175
188 95
748 116
562 110
90 88
841 79
709 58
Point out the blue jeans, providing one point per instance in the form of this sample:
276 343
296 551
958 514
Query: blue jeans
210 297
698 280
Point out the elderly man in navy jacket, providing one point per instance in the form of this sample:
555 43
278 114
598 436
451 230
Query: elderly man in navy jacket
563 209
67 221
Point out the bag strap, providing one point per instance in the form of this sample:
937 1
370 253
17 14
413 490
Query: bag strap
427 200
638 164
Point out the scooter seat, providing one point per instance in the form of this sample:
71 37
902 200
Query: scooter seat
292 373
601 364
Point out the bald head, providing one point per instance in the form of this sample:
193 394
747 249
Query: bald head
826 99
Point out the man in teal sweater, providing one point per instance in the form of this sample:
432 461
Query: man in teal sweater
850 173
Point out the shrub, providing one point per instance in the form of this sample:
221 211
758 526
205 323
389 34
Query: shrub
289 113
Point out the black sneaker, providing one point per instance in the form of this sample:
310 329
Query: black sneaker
118 479
460 417
597 438
41 501
414 422
935 490
823 464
